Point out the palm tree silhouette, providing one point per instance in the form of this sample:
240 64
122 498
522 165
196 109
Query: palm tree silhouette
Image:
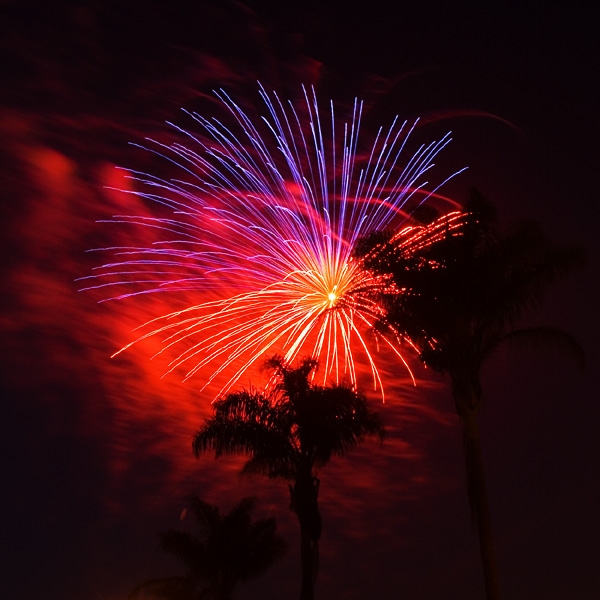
290 432
458 298
227 550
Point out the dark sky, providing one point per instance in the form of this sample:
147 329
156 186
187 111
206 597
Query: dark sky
96 454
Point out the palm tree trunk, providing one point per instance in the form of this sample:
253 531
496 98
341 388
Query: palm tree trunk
307 555
479 503
304 502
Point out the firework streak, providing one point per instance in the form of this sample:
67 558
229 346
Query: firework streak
257 233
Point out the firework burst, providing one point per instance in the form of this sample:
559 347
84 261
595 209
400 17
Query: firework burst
257 235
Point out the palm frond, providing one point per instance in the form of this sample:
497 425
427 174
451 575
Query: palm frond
183 546
275 465
207 515
334 420
228 549
261 547
462 291
522 265
236 435
546 337
297 427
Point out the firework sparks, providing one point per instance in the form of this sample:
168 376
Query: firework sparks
261 230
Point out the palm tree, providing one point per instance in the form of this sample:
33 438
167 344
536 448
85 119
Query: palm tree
289 433
228 549
460 297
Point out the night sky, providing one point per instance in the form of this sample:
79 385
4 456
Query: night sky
96 456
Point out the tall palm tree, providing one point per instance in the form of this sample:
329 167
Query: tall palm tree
228 549
290 432
460 297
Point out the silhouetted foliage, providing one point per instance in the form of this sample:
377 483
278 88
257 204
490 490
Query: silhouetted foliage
289 432
458 298
227 550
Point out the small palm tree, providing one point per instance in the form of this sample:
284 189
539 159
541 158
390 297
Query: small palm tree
228 549
458 299
289 433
